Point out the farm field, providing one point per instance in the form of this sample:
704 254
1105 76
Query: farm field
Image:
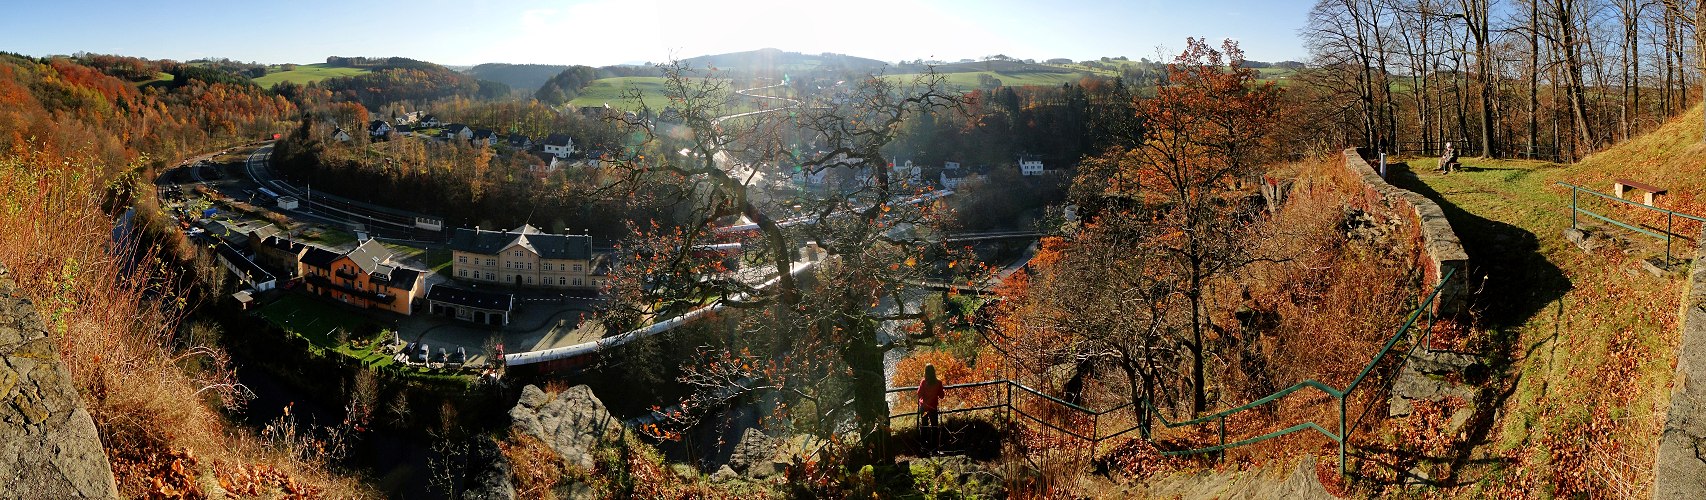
306 73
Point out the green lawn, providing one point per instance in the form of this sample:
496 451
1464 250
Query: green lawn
306 73
610 91
1584 342
320 322
328 237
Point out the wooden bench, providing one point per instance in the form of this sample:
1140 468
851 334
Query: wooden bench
1620 186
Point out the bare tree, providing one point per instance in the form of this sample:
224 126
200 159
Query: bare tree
816 336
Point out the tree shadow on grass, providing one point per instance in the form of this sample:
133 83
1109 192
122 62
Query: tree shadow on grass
1511 282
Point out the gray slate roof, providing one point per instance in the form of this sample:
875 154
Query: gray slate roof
549 246
471 298
369 256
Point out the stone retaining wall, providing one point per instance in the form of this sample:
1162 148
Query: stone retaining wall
48 444
1680 470
1442 251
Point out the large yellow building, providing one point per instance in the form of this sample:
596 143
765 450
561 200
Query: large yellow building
523 257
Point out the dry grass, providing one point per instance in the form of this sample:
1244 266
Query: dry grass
153 399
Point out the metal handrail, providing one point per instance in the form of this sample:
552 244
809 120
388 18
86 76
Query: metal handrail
1668 235
1341 437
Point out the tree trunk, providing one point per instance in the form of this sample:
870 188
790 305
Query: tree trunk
1534 77
1700 40
1564 13
1199 391
870 401
1475 12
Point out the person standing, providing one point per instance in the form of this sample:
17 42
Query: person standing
930 398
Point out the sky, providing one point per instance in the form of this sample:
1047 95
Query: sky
604 32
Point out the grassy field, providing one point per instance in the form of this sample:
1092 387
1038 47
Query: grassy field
610 91
1585 341
320 323
306 73
972 80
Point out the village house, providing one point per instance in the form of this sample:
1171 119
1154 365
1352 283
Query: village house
484 137
548 162
243 268
341 135
906 172
408 118
378 128
364 277
1030 165
458 131
953 179
523 257
429 121
559 145
281 254
519 141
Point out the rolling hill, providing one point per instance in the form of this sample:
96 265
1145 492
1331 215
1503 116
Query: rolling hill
774 62
518 76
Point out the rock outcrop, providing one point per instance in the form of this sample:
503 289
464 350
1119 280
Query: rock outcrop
574 424
48 442
1437 376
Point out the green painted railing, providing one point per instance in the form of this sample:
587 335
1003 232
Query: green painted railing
1670 216
1151 412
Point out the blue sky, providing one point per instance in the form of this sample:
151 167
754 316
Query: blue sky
600 32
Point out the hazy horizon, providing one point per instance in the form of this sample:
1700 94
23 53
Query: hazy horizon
610 32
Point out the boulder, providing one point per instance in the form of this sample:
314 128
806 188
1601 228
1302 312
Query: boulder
48 440
724 474
574 424
755 448
1583 239
1436 376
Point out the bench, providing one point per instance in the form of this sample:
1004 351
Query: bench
1621 186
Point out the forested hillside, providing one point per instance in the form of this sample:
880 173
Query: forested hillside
516 76
79 141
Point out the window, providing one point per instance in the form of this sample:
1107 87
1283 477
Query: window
489 276
530 266
577 282
490 262
461 259
517 253
462 273
577 268
562 281
529 280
